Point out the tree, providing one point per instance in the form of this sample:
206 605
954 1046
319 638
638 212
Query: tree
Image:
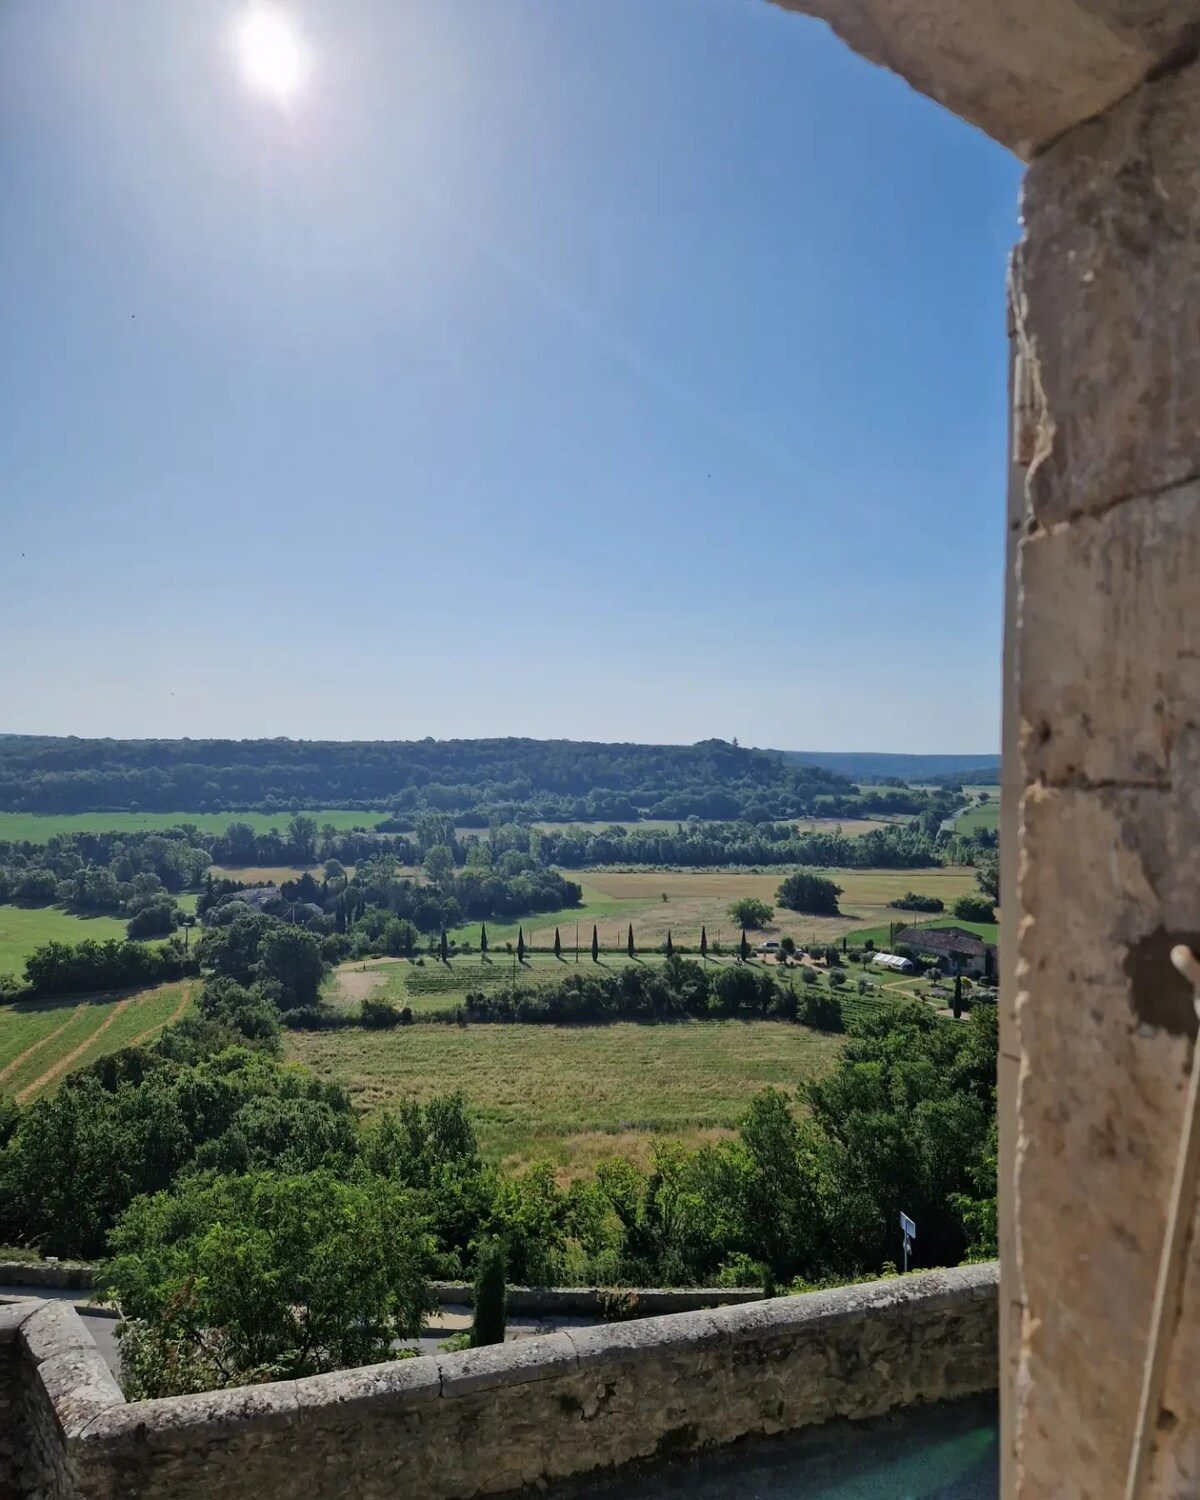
744 947
238 1279
557 944
444 947
487 1326
439 864
629 948
595 945
957 996
302 837
813 894
987 877
670 945
521 945
483 944
292 958
704 944
974 909
750 912
787 945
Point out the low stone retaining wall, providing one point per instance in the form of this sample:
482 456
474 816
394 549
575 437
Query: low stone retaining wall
491 1420
563 1301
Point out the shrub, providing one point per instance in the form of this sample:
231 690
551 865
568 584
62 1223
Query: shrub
974 909
750 912
837 978
491 1300
914 901
380 1014
822 1011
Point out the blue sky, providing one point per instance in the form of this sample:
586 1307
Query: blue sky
616 369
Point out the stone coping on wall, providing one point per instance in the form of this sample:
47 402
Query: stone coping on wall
486 1421
581 1301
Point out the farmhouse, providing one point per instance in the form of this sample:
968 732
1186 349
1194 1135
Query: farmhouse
950 946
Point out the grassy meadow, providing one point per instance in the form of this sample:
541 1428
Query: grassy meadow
696 898
38 828
571 1095
24 928
43 1040
984 815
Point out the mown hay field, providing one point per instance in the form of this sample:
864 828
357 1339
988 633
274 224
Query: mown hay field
41 1041
571 1095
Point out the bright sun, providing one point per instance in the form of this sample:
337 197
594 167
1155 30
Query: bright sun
274 57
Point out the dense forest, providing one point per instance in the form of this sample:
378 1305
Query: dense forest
549 779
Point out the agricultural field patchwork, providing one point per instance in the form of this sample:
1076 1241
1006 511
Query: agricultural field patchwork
696 898
41 1041
38 828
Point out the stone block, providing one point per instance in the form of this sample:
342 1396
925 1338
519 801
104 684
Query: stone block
78 1385
1024 71
1109 311
1107 882
52 1329
517 1362
407 1381
1109 656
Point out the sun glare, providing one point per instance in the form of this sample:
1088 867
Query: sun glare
274 57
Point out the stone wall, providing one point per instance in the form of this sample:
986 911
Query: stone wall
1107 688
493 1420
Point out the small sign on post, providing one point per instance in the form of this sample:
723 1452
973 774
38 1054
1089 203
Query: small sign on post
909 1230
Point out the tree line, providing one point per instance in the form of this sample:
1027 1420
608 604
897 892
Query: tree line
555 779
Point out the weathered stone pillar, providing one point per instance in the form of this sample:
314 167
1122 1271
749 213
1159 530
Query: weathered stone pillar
1107 689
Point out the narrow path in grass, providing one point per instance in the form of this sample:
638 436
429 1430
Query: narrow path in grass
41 1042
64 1063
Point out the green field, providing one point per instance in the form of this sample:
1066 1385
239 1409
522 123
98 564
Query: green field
37 828
41 1041
571 1095
24 928
700 898
985 815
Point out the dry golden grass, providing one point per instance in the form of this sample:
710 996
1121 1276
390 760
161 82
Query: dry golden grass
571 1095
697 898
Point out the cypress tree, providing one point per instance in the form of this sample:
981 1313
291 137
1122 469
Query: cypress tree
957 996
629 948
520 945
670 945
490 1296
744 948
595 945
557 944
443 947
704 944
483 940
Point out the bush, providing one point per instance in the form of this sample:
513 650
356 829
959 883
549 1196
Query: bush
974 909
837 978
750 912
914 901
491 1298
822 1011
380 1015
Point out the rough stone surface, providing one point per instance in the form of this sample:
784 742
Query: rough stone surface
490 1421
1130 713
1109 310
1024 71
1107 687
